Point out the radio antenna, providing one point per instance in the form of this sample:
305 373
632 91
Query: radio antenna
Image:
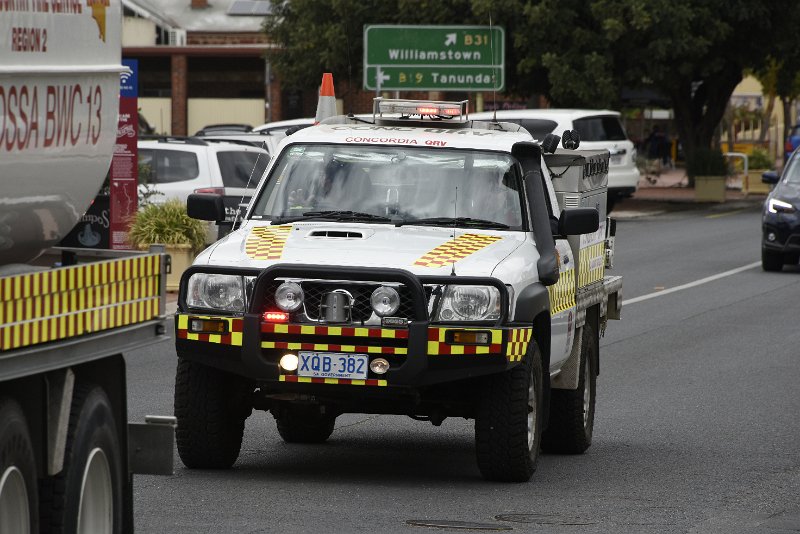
494 81
246 187
455 219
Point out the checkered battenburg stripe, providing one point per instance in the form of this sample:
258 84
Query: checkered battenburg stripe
232 337
72 301
562 293
456 249
340 381
517 347
267 242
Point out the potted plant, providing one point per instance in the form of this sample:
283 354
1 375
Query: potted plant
168 224
758 163
710 171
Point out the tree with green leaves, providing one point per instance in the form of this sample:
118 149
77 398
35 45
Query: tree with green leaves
578 53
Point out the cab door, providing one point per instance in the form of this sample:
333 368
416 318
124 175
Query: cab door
562 293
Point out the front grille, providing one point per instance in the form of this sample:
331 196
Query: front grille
361 312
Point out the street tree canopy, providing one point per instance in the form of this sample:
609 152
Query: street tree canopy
577 53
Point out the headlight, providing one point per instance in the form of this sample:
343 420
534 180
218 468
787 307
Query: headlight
289 296
385 301
469 303
779 206
216 291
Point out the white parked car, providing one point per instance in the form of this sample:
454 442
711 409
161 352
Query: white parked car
282 126
598 129
176 167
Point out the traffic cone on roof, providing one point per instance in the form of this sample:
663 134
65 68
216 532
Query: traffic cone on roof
326 106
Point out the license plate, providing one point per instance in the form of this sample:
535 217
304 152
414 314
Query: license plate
616 160
333 365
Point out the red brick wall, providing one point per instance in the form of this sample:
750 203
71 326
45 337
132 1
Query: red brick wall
178 80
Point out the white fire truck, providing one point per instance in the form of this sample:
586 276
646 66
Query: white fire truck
67 452
418 263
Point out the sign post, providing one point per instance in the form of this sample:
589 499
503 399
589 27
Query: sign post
125 163
434 58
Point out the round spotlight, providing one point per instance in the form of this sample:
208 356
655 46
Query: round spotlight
385 301
289 296
289 362
379 366
771 236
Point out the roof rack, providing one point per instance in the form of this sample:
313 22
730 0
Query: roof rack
185 140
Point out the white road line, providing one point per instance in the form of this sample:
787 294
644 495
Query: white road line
691 284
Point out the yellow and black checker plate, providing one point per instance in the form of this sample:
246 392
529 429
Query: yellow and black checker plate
437 346
592 264
517 346
72 301
562 293
233 335
267 242
456 249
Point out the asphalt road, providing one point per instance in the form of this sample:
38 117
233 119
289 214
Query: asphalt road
696 430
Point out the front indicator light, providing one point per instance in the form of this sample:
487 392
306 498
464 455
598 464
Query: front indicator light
207 326
379 366
470 338
289 362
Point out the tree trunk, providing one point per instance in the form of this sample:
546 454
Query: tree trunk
699 108
766 120
787 121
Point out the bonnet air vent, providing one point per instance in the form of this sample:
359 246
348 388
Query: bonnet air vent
337 234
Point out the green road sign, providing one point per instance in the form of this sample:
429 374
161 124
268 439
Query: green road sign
434 58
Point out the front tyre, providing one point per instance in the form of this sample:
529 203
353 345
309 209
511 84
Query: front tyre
211 408
572 411
19 500
509 420
86 497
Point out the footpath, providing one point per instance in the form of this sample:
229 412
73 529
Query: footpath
670 191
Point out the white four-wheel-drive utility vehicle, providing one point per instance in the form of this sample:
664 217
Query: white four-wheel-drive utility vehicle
419 264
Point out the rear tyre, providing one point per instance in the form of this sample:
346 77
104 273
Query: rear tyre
19 500
86 497
295 427
211 407
572 411
508 422
771 260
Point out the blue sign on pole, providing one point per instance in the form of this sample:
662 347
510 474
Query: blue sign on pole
129 81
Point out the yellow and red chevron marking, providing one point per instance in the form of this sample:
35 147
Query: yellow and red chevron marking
456 249
72 301
562 293
343 331
233 337
592 263
438 347
340 381
266 242
329 347
517 347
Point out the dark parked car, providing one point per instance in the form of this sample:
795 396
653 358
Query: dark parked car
780 241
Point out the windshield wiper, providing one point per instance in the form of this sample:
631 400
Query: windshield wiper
336 215
454 221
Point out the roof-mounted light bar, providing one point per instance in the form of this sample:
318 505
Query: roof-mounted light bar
422 108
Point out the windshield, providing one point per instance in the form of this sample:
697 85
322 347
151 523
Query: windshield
393 184
791 175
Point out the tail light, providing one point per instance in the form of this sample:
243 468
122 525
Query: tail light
211 190
788 146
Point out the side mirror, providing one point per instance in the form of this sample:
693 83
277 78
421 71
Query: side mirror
770 177
578 221
206 207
